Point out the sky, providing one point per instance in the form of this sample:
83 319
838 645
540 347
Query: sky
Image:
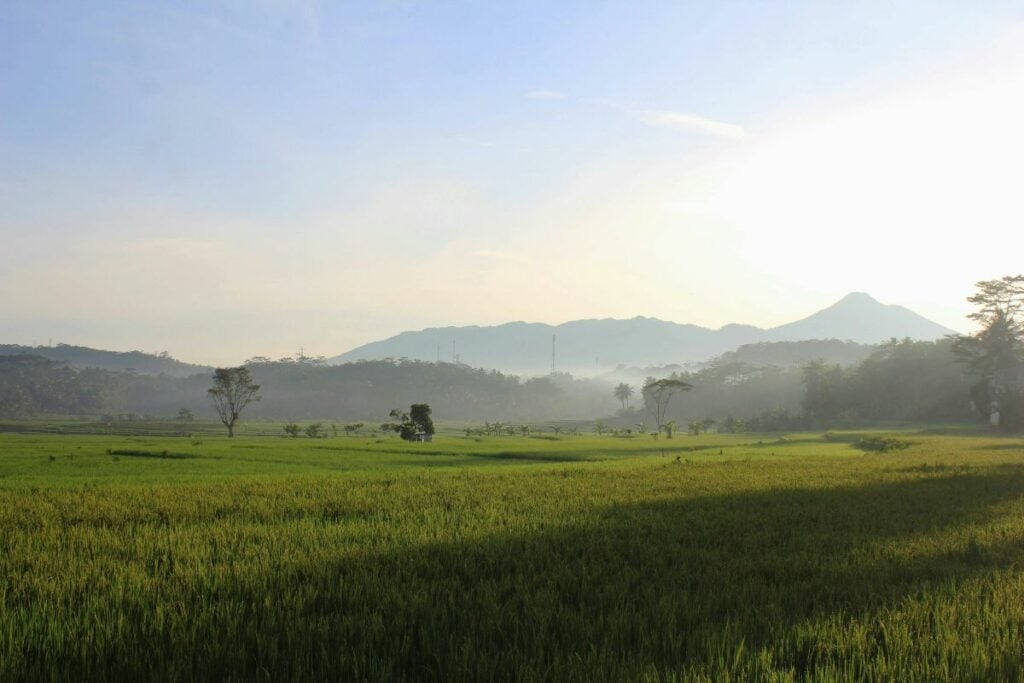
222 180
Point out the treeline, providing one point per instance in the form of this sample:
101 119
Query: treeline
797 353
365 390
32 385
370 389
902 381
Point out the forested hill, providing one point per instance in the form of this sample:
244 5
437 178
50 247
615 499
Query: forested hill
34 386
117 361
761 355
595 347
898 381
796 353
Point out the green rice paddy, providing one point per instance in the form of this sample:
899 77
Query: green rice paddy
572 559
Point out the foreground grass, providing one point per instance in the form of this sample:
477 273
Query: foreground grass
575 559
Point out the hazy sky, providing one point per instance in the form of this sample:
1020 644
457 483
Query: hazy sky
230 179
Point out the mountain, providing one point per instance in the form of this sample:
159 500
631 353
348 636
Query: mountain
859 317
582 347
119 361
591 347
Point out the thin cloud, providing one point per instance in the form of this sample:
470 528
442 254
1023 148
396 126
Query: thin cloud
546 95
693 123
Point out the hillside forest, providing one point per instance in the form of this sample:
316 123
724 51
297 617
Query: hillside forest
902 380
767 386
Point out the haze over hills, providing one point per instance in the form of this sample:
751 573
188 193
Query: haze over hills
116 361
582 347
589 347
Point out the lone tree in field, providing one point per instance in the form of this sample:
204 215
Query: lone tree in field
231 392
657 394
995 354
623 392
410 425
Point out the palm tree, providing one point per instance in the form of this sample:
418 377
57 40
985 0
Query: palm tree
623 392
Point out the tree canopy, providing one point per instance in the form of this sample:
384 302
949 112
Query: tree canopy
658 393
623 392
231 392
995 353
410 425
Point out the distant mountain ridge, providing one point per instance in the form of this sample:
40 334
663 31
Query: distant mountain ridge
860 318
590 347
117 361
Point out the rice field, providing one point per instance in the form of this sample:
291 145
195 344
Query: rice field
560 558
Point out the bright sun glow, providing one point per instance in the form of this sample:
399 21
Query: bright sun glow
927 175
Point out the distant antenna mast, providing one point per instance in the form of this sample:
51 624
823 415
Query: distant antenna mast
553 338
439 352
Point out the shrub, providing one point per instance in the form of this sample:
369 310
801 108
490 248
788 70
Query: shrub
881 444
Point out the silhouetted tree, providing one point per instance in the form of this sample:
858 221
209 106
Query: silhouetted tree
419 414
623 392
658 393
997 349
410 425
231 392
